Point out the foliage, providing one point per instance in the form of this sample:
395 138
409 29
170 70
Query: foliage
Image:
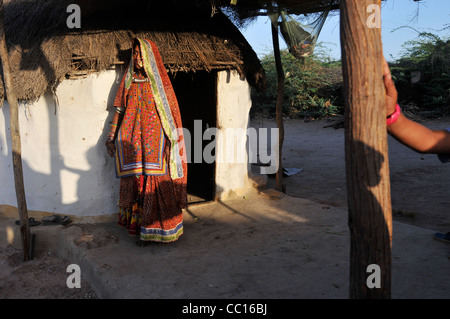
311 88
427 58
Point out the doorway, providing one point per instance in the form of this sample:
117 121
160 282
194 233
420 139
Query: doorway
197 98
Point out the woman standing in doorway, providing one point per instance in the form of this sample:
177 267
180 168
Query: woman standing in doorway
146 138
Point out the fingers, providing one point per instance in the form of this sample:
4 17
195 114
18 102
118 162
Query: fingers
386 71
111 149
391 91
387 79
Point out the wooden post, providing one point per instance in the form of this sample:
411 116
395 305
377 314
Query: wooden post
279 106
367 165
15 137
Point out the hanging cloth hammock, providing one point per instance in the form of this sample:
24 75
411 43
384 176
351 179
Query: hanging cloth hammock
300 38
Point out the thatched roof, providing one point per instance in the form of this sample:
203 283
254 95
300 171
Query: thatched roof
44 51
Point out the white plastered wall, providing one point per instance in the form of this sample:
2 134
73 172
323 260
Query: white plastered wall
65 164
233 108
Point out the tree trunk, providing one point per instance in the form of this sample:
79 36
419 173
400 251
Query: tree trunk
279 106
367 162
16 145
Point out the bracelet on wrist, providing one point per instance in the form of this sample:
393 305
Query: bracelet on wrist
391 119
110 137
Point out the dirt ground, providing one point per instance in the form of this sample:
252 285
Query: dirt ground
43 277
419 182
419 189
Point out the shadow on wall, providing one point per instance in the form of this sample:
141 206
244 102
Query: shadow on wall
81 182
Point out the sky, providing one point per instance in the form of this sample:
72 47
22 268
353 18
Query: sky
424 16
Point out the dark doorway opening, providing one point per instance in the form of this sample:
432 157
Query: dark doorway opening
197 98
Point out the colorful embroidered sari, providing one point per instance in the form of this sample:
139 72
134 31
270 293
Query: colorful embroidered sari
152 187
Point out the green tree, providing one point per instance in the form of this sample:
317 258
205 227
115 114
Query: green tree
312 86
422 74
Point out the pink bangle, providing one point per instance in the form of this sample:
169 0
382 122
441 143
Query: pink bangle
391 119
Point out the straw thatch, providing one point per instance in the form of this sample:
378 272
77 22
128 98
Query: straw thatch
44 51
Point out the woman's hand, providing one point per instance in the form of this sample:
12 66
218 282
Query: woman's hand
110 147
167 149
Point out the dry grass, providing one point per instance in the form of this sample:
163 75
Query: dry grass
44 51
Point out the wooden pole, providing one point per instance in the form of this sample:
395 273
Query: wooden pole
279 105
367 165
16 144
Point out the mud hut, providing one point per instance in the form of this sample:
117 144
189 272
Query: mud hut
55 142
66 80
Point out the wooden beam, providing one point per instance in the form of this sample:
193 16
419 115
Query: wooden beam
16 144
366 152
279 106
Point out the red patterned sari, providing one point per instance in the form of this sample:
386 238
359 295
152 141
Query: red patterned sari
152 186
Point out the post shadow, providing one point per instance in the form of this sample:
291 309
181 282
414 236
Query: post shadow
370 234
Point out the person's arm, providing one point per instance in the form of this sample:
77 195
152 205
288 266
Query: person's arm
110 147
408 132
166 147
